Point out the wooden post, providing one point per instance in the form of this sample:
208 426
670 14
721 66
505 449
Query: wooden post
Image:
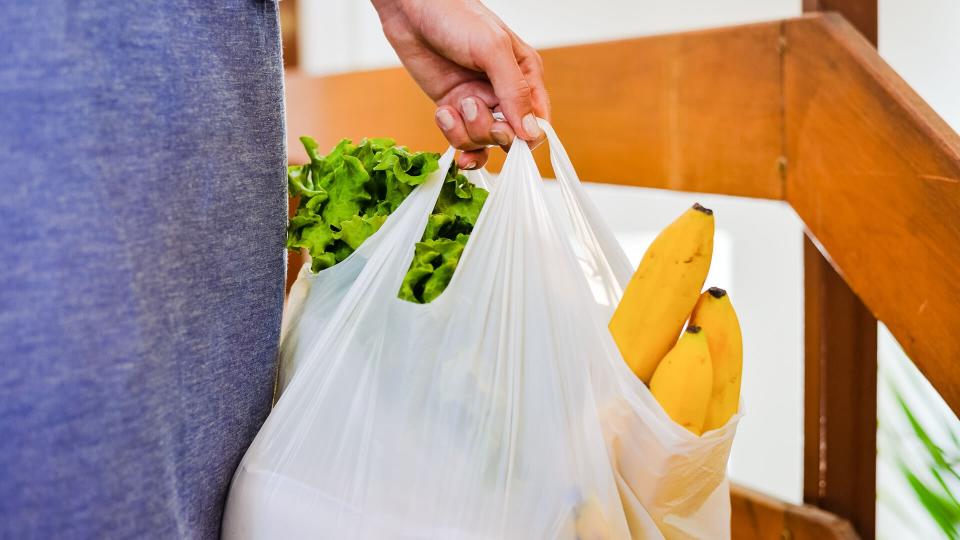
840 400
862 14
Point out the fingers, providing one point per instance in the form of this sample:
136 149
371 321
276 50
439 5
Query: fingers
532 67
510 85
502 134
481 126
471 128
473 154
472 159
451 123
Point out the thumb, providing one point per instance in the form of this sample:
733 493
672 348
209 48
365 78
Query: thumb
511 87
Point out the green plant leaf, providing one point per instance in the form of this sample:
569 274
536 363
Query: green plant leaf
356 230
935 452
943 512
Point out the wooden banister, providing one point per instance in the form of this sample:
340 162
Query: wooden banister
875 175
760 517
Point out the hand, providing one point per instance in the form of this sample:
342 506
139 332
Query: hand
467 60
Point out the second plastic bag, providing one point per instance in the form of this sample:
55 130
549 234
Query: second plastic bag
501 410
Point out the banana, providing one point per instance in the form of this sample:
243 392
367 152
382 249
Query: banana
715 314
684 379
663 291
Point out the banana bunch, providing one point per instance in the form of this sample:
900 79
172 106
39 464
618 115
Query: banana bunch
696 378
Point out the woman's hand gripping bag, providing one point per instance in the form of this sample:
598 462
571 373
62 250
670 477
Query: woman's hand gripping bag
668 478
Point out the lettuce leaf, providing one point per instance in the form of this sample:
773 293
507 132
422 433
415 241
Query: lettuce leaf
346 195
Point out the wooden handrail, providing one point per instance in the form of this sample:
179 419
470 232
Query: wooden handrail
802 110
760 517
875 175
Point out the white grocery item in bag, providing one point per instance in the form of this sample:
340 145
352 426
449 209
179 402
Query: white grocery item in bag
494 412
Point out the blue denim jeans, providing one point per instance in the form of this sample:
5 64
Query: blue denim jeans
142 216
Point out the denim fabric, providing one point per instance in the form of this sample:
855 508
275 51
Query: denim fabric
142 215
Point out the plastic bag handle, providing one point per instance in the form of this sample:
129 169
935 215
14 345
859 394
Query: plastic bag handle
591 229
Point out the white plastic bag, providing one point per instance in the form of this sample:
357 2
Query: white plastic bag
494 412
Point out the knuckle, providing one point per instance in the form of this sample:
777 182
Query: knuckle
499 39
478 137
537 60
463 143
521 91
457 140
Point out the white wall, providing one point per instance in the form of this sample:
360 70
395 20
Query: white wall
921 40
344 35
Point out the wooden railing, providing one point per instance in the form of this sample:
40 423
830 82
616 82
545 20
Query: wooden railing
801 110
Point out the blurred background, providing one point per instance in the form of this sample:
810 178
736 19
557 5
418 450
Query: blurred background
758 255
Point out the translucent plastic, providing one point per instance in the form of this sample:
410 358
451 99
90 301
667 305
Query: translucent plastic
501 410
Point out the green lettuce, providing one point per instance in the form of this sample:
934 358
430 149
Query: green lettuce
347 194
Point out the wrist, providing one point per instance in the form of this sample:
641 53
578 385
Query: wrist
388 11
383 6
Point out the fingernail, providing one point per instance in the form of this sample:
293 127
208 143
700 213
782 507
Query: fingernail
499 137
445 119
531 127
469 108
470 166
